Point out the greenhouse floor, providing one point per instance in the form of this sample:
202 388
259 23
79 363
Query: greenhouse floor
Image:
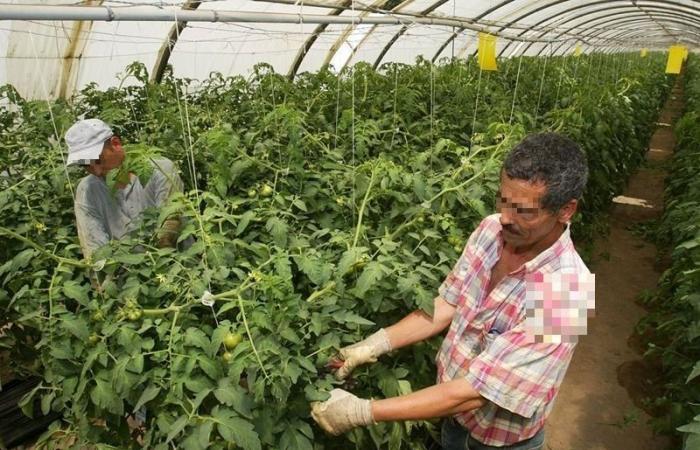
600 404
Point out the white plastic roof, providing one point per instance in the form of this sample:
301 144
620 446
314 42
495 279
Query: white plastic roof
52 58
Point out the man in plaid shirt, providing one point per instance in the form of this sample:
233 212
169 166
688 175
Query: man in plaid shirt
513 305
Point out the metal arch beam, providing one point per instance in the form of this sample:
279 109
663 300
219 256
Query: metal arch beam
401 32
623 33
680 12
659 3
635 33
559 2
509 23
692 21
171 39
529 44
600 34
625 14
640 18
304 49
461 30
601 10
344 36
627 34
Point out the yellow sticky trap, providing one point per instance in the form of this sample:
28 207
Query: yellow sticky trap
578 50
643 52
675 59
487 51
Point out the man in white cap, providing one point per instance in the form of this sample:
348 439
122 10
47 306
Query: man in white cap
102 214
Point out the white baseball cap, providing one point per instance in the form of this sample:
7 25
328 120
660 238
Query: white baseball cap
86 139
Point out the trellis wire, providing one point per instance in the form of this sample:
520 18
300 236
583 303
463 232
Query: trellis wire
53 120
515 90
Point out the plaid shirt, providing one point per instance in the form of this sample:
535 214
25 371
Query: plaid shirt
487 343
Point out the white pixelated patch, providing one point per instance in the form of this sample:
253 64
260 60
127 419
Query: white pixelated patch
558 305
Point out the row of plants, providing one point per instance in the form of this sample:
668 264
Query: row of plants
673 324
320 208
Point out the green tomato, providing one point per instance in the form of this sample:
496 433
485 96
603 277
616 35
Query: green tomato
93 339
252 193
232 340
134 314
227 357
266 190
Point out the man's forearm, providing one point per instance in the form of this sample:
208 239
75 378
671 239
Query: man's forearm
441 400
419 326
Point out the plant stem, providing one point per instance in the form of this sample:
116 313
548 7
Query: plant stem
457 187
316 294
250 337
362 208
170 345
37 247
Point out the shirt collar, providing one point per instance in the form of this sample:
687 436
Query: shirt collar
547 255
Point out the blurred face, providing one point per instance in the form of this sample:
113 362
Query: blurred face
112 155
525 222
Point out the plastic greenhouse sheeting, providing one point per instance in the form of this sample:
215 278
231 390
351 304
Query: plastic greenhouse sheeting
54 58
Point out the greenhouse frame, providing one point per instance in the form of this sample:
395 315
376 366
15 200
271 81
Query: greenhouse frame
349 224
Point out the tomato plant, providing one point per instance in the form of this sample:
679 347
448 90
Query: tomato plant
673 324
320 209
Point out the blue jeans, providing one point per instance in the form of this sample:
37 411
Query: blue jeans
456 437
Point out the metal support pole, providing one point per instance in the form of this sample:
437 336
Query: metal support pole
153 14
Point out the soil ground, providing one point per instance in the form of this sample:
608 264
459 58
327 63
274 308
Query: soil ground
599 405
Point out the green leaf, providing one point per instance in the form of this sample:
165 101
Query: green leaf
318 271
176 428
46 401
279 230
300 204
283 267
372 273
243 223
293 439
692 442
292 371
350 317
313 394
147 395
104 397
692 427
235 396
26 404
22 258
196 338
130 258
235 429
349 258
75 291
211 367
290 335
694 373
198 438
77 327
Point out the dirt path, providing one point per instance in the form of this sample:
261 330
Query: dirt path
597 407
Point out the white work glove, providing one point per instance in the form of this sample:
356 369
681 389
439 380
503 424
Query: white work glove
365 351
342 412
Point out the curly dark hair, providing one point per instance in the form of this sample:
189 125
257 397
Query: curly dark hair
553 159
